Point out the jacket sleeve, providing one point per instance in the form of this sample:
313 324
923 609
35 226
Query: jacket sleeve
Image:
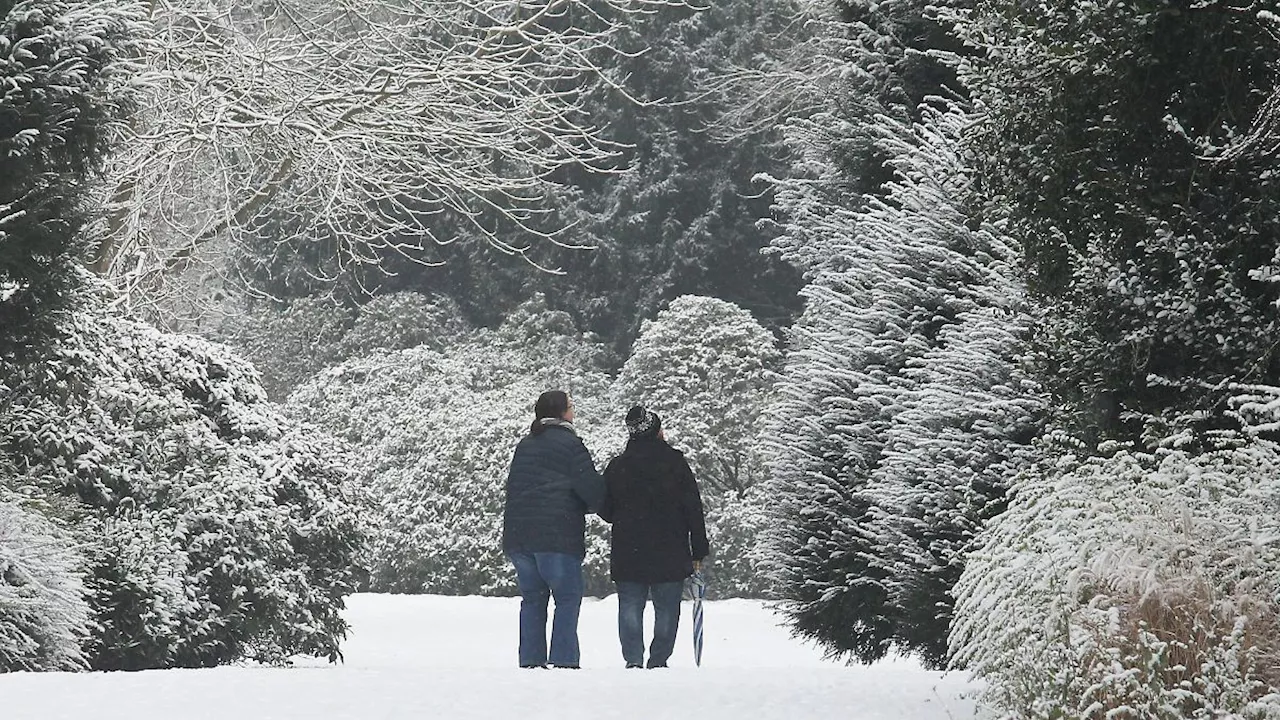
694 517
606 507
587 483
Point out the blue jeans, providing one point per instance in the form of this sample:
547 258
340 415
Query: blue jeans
666 620
541 576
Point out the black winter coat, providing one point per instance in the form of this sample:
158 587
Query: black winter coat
656 510
551 487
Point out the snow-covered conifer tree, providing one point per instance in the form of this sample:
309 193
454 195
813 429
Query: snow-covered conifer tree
705 366
1123 138
64 65
963 434
901 407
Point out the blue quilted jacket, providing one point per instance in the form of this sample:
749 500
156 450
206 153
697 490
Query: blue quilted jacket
551 487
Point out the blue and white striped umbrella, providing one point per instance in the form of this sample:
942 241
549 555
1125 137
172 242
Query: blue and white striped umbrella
698 587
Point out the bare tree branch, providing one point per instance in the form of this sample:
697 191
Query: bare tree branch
356 123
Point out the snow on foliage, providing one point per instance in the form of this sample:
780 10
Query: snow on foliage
437 425
1155 301
64 89
1136 585
705 365
403 320
289 343
214 529
364 128
436 430
962 434
44 617
1140 582
901 411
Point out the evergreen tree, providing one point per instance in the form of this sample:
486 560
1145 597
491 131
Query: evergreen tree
686 215
679 211
705 365
963 434
1148 241
64 65
882 479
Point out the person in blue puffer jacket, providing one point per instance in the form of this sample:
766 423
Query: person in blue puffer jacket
551 487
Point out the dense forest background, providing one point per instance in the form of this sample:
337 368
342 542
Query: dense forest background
964 313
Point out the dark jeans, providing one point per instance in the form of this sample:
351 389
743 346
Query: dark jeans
541 576
666 620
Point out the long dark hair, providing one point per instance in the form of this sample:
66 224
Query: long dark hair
551 404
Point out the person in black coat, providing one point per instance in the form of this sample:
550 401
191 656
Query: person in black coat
659 535
551 486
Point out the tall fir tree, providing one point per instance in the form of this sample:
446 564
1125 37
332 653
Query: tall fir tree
964 434
883 481
912 303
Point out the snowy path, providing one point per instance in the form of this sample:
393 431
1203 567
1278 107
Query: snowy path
433 657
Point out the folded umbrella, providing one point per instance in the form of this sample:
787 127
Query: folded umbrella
698 586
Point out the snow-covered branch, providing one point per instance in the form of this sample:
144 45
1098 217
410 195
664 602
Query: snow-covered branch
358 125
804 58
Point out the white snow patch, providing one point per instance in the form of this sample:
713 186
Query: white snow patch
433 657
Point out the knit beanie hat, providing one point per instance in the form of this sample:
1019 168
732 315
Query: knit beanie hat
642 422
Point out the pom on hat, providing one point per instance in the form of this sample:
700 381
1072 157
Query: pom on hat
642 422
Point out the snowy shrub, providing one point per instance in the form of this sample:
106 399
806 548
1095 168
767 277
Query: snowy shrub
138 593
403 320
704 365
1131 586
214 529
736 524
289 343
44 617
436 431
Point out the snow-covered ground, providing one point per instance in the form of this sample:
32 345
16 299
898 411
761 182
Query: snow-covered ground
428 658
